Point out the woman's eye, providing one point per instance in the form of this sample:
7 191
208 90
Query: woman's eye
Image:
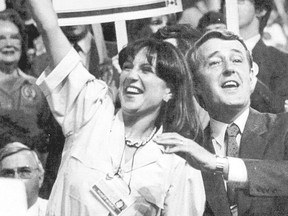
126 66
147 69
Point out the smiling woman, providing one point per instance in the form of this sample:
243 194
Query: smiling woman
154 92
13 40
156 96
159 74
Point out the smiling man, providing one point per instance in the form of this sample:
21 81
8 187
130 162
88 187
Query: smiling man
245 169
271 90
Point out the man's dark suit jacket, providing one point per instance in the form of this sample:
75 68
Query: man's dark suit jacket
265 137
272 88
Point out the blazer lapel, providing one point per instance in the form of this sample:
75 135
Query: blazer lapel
253 144
253 140
216 195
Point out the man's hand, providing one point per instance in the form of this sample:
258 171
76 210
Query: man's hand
196 155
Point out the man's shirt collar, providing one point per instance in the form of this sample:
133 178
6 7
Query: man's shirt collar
251 42
218 129
85 43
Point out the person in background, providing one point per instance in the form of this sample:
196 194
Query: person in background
20 162
183 36
21 100
211 20
271 90
193 14
244 155
30 27
18 92
102 148
274 32
144 28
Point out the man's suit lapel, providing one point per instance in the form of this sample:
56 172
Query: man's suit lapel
253 141
253 144
261 57
216 195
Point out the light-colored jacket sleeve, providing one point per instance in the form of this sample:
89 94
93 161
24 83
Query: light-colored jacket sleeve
186 196
73 94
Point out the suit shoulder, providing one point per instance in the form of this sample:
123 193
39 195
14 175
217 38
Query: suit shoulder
277 52
277 121
270 119
263 50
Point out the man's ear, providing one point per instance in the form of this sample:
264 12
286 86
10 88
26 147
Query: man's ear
253 75
255 69
41 178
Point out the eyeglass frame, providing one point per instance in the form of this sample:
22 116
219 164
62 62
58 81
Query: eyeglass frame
20 173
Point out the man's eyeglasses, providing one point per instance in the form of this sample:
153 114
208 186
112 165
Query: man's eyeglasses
22 172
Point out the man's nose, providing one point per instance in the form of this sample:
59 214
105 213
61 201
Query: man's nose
228 69
8 42
16 175
228 72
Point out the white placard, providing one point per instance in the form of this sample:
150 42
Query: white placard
2 5
76 12
232 18
13 201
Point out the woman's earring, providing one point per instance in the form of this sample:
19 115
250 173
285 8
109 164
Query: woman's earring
167 97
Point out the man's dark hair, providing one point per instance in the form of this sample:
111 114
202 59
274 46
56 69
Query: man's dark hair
211 17
220 34
184 34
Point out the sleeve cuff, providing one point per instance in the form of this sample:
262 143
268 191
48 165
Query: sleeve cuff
237 172
49 80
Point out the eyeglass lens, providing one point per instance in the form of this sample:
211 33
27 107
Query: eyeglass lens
23 172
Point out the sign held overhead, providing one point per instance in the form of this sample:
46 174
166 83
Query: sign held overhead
75 12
